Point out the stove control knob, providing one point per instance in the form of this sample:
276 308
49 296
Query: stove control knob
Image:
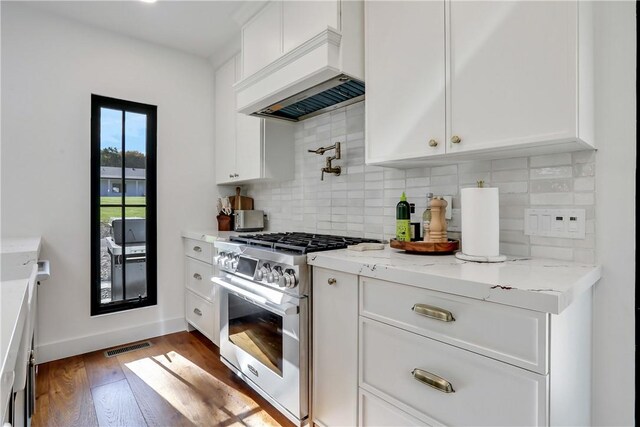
263 272
274 275
288 280
221 258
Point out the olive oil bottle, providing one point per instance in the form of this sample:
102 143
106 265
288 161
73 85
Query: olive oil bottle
403 220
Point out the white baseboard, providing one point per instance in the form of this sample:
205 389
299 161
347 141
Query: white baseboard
75 346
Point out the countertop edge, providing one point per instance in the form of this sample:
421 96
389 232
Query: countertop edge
542 300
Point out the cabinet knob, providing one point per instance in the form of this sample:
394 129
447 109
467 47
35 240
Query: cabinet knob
197 311
197 249
230 175
197 276
433 143
455 139
235 175
331 281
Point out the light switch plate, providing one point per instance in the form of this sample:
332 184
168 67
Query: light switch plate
564 223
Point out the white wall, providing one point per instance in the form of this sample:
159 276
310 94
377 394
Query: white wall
614 329
50 68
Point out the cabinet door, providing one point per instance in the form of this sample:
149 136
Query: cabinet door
262 39
405 75
249 152
225 119
335 348
513 73
302 20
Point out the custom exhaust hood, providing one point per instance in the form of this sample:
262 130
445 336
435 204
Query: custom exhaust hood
330 95
322 74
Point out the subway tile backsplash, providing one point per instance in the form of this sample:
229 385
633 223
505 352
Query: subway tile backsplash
361 201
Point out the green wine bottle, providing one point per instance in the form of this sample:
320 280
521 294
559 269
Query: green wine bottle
403 220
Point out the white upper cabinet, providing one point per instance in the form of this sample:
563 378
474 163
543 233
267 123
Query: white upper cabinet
304 19
513 73
405 98
262 38
247 148
224 115
515 78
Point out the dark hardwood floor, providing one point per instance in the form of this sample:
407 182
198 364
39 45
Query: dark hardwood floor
178 381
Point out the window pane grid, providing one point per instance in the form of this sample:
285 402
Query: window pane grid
123 136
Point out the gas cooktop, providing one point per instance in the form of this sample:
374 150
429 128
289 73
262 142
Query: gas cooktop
300 243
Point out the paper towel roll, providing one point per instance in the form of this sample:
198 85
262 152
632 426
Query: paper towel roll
480 222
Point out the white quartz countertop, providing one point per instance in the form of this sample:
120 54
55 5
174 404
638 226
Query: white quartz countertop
207 235
536 284
215 235
13 314
17 256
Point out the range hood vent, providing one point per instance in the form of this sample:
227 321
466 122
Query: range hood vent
335 93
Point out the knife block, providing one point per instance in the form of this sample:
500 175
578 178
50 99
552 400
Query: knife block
225 222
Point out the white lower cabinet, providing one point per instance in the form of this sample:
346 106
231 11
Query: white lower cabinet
429 358
376 412
335 348
443 384
201 294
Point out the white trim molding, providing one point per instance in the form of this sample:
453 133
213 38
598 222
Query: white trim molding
80 345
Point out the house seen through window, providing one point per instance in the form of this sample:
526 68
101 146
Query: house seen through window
123 188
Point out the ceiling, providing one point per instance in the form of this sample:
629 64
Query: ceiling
202 28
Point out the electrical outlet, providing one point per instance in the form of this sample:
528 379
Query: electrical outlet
454 224
447 212
565 223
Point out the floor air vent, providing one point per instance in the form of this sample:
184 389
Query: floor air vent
127 349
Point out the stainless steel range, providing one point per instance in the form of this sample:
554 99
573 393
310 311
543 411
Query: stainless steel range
264 313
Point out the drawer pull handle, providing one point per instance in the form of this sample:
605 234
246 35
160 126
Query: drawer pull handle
433 312
197 311
197 276
197 249
432 380
331 281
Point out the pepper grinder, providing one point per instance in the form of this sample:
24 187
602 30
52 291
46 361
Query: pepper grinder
438 226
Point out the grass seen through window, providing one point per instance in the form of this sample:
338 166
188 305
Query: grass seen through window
107 213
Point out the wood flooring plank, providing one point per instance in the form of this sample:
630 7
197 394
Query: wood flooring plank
70 401
156 410
42 379
116 406
178 381
41 415
225 389
102 370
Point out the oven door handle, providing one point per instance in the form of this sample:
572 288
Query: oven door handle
281 309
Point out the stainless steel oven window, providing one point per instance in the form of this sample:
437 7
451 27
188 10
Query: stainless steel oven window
257 331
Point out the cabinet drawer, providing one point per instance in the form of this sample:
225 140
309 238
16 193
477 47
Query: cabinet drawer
200 313
376 412
485 391
199 250
510 334
198 278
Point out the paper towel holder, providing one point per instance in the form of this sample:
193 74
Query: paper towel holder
479 258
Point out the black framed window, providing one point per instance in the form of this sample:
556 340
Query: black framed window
123 205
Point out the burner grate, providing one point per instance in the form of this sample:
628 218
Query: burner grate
300 243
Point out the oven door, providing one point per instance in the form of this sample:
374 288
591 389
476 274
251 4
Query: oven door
264 336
